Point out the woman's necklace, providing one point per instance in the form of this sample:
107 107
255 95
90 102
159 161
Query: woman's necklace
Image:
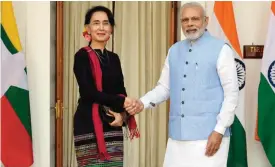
102 57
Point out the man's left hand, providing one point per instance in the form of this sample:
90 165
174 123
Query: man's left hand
213 143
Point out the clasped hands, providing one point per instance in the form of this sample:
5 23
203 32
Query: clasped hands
132 106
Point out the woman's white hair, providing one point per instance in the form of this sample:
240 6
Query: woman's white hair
193 4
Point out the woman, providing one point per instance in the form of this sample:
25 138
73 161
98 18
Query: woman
100 113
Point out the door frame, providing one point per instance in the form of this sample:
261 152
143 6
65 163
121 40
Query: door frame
173 22
59 85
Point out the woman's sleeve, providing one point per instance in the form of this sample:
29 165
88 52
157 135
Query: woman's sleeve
120 88
87 88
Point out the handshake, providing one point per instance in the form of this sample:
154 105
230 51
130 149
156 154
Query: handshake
133 106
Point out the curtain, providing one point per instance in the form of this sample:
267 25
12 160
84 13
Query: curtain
141 40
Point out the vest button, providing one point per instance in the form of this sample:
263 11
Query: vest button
183 89
190 50
184 76
182 102
186 62
182 115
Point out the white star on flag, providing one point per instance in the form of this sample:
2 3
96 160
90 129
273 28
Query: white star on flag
12 70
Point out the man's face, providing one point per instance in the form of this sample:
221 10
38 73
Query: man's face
193 22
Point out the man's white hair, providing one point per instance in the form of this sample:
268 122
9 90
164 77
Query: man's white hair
193 4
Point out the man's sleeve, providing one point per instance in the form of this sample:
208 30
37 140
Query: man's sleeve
228 76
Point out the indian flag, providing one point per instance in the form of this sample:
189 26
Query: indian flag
16 141
266 93
222 25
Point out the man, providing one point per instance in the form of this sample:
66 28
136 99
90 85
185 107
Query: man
200 78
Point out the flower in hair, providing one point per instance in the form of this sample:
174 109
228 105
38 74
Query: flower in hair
87 36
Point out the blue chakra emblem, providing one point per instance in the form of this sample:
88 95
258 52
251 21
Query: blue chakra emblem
240 66
271 74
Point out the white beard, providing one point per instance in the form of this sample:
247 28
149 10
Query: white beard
194 36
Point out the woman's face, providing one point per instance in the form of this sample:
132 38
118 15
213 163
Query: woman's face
99 27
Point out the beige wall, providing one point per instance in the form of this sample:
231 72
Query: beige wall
252 22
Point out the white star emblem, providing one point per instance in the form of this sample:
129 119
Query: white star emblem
12 70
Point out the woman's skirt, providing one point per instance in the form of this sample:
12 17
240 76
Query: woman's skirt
86 145
87 154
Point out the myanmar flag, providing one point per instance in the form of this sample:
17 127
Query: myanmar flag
223 26
266 93
16 141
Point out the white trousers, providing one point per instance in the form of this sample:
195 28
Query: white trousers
192 154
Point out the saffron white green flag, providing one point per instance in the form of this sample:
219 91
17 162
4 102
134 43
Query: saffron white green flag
222 25
266 93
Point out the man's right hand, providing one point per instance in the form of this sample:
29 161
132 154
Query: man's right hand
129 102
133 106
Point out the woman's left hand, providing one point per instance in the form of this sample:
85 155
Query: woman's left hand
118 119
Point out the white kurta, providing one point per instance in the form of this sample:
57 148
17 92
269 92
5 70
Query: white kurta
191 153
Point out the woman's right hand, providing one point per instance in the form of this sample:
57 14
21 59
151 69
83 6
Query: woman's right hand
130 105
133 106
128 102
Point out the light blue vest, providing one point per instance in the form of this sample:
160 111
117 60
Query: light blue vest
196 94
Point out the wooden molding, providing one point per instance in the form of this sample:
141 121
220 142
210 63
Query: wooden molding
173 22
59 84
